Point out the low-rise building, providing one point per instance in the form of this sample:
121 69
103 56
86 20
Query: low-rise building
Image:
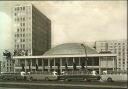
68 56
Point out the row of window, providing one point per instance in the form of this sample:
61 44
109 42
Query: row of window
23 40
20 46
23 35
122 62
20 8
118 43
20 19
21 30
20 35
69 62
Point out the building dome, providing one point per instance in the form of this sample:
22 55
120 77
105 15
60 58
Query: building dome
70 49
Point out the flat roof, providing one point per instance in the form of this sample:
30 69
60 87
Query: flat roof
64 56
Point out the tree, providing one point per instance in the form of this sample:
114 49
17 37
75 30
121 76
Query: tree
7 54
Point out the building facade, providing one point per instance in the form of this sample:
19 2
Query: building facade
69 56
32 28
0 66
7 65
118 47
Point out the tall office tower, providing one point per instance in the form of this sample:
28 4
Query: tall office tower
32 34
118 47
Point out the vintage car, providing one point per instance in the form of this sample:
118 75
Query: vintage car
112 76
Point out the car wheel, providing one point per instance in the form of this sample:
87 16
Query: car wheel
31 79
109 79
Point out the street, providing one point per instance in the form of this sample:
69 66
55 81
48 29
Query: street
63 85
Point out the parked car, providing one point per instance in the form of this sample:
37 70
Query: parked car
12 76
43 76
112 76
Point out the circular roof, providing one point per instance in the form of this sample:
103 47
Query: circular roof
70 49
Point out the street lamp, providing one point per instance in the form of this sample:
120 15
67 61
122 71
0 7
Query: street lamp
85 53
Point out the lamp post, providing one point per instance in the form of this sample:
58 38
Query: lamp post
85 54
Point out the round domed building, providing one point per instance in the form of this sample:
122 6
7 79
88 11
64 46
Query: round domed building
70 56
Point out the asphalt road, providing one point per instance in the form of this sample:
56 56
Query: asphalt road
63 85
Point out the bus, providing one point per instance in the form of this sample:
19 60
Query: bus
79 75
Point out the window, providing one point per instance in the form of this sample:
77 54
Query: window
51 62
96 61
23 29
76 61
63 61
33 62
23 24
17 30
45 62
20 8
39 62
23 35
15 14
23 18
23 40
90 62
57 62
23 8
70 61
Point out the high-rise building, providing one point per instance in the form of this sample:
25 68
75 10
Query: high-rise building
118 47
32 34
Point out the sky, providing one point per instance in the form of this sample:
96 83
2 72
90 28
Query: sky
73 21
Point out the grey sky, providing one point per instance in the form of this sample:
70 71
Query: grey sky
74 21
